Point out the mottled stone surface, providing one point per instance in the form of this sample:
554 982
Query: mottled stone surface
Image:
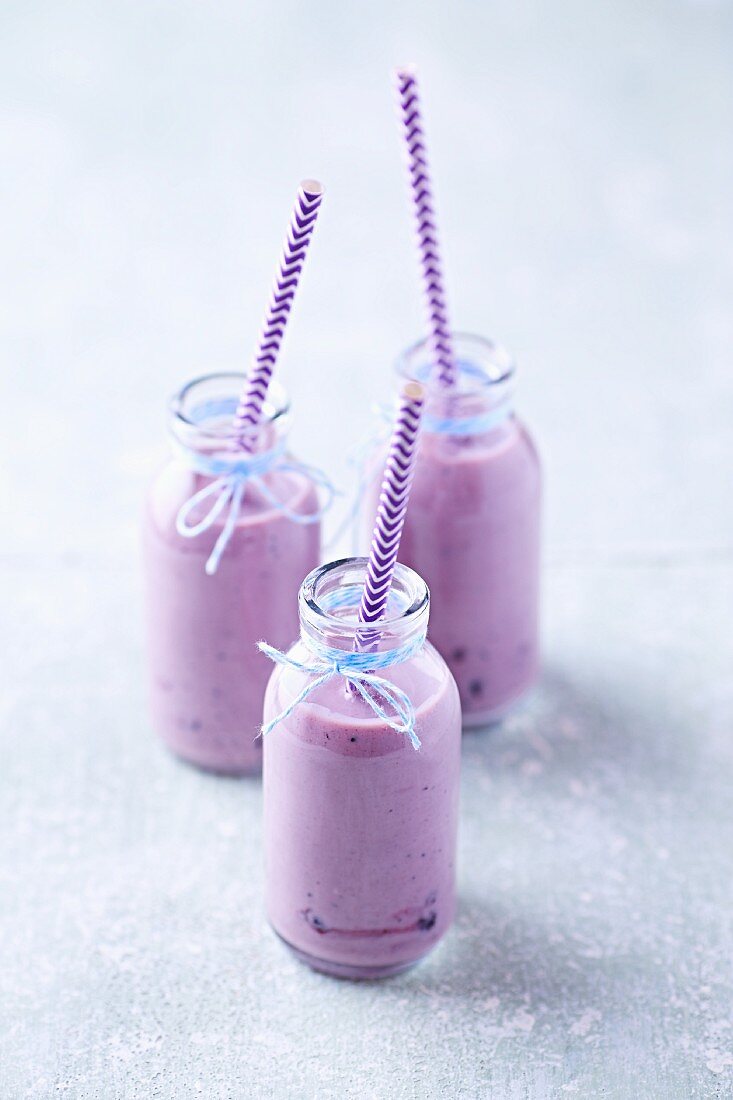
585 173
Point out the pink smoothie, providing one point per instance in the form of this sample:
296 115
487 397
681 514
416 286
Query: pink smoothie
207 676
360 828
473 532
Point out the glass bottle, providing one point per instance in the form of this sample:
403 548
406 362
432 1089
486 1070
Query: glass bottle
207 676
473 526
360 826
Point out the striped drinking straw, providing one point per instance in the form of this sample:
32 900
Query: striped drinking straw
391 511
439 333
300 231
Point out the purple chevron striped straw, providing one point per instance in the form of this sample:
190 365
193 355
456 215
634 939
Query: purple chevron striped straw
441 342
300 231
392 509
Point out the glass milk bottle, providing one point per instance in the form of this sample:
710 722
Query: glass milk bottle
228 536
361 781
473 526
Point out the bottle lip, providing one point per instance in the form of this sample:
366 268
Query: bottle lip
483 363
410 598
212 417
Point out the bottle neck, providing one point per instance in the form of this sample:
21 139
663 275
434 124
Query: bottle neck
329 609
201 418
481 399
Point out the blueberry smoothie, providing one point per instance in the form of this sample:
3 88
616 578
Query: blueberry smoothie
207 677
473 528
360 827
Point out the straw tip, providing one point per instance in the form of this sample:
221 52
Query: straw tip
406 72
313 188
413 391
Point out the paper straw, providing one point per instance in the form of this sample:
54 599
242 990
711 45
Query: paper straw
300 231
439 333
392 507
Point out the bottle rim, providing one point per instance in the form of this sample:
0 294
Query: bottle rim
212 419
409 603
483 364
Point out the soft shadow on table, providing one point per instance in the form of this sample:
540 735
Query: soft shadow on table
495 953
577 748
578 730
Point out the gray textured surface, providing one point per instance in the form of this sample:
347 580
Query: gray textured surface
143 192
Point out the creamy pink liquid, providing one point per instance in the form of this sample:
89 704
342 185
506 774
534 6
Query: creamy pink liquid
207 677
360 828
473 533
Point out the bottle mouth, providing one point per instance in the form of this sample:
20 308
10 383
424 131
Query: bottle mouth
483 366
331 594
206 406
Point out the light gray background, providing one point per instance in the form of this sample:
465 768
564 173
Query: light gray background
584 169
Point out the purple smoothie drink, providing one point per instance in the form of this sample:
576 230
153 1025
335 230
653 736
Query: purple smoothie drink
207 677
473 527
360 826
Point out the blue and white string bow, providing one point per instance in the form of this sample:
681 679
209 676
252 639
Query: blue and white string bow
232 472
390 703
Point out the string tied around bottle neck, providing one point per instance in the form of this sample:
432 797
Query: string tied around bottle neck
231 473
390 703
